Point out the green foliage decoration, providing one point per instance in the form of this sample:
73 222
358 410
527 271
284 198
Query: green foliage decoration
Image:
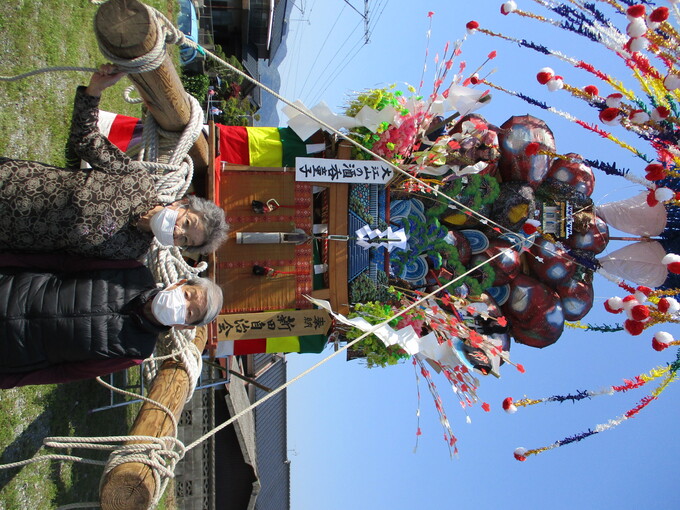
236 111
482 189
376 352
362 289
376 99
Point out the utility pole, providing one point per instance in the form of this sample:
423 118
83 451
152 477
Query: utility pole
365 16
301 9
367 35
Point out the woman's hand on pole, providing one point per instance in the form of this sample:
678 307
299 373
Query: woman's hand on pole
103 79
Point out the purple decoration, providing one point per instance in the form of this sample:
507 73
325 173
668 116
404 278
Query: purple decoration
594 240
575 173
577 299
515 165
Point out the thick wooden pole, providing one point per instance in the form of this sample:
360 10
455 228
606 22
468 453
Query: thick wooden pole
131 486
125 29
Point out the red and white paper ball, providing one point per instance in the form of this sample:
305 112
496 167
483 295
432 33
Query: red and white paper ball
557 83
672 262
656 17
661 340
664 194
592 90
508 7
660 113
637 44
472 26
633 327
671 82
636 28
668 305
629 302
655 172
644 290
638 313
520 454
509 406
614 100
614 305
545 75
659 195
610 116
634 12
638 116
530 226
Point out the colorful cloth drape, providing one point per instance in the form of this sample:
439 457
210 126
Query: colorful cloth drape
260 146
302 344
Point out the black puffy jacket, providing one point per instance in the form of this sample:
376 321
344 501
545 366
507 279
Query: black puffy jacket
53 318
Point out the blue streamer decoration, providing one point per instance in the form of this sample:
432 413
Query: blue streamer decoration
577 437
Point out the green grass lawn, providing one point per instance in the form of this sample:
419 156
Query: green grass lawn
35 112
29 414
34 121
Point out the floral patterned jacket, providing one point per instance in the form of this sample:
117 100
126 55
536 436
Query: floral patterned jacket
89 212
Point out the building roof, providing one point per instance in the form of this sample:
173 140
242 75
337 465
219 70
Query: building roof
236 480
252 468
272 438
278 28
237 400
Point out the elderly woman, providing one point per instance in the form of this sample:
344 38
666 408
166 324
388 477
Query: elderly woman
109 211
60 326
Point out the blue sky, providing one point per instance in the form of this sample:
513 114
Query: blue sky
352 430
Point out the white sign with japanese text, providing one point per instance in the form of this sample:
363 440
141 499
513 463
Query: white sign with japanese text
245 326
342 171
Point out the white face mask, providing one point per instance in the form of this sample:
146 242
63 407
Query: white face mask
169 307
163 225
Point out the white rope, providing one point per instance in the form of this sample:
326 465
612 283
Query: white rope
47 70
128 98
161 454
172 179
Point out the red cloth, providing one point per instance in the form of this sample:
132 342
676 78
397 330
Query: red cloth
122 129
234 145
232 149
252 346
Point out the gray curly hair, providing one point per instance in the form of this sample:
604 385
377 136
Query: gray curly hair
213 302
216 227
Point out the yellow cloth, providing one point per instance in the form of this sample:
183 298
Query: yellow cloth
283 344
264 146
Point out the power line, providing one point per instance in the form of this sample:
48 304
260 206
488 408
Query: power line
341 67
364 16
338 51
294 62
375 22
318 54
